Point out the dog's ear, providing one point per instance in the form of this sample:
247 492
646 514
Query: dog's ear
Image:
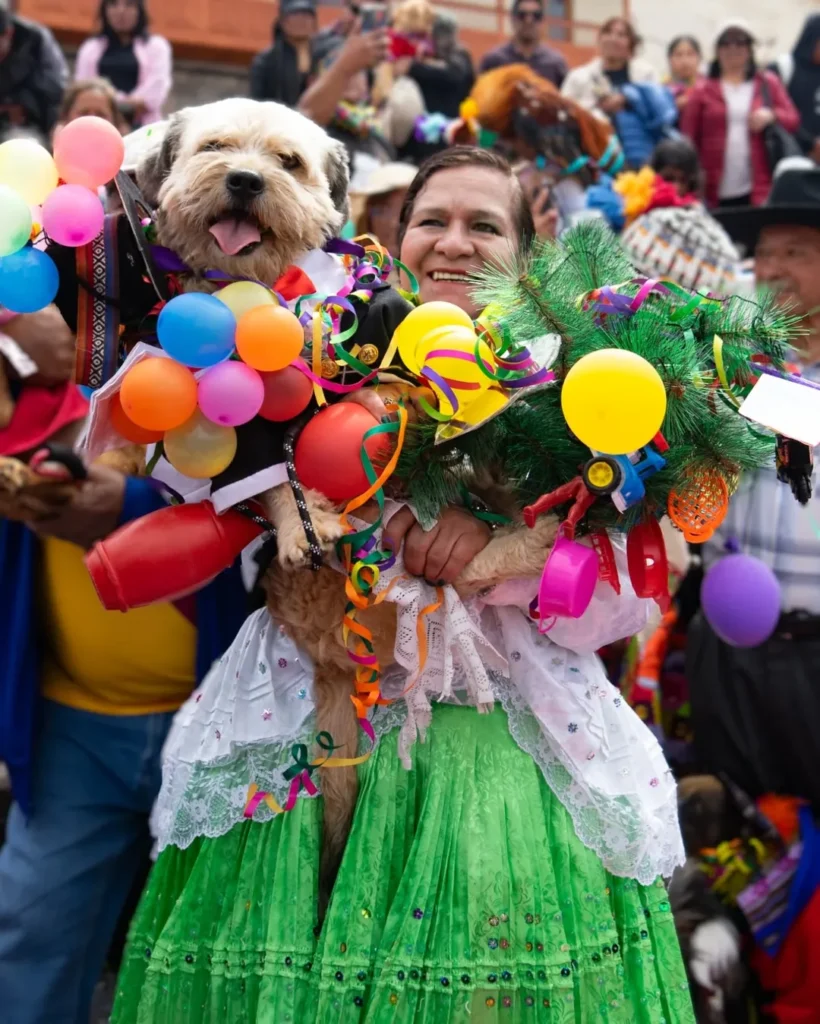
337 169
156 165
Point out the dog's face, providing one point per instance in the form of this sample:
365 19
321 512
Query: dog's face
245 187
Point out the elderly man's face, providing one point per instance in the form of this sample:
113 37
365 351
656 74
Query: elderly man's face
787 258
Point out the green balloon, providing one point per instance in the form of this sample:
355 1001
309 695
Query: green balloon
15 221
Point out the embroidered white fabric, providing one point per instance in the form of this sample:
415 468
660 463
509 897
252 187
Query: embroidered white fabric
235 729
600 760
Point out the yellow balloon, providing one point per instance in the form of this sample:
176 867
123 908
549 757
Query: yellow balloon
200 448
458 370
29 169
421 321
242 296
614 401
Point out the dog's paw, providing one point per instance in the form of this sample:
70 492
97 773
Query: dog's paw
292 542
14 476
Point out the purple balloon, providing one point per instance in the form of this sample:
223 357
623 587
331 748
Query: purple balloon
231 393
740 598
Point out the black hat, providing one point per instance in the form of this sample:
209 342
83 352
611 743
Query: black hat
794 199
297 7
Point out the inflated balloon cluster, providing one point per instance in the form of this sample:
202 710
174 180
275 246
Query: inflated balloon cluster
57 194
234 356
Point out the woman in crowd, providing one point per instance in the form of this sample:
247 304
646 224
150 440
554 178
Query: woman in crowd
446 857
623 87
685 59
137 63
800 73
726 116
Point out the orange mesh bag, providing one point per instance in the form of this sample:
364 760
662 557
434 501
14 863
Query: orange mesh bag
699 510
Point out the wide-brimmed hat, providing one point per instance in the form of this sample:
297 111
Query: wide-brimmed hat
794 199
385 178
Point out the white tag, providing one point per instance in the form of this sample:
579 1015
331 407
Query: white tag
786 407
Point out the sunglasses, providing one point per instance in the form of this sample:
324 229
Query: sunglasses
738 42
529 15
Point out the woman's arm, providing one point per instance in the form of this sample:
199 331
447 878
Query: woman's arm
88 59
361 51
690 118
782 107
155 74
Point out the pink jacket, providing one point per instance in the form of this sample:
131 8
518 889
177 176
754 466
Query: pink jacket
154 59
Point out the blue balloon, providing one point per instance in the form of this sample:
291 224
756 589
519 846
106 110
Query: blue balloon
197 329
28 280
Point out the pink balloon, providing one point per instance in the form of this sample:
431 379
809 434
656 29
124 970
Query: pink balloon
88 151
230 393
72 215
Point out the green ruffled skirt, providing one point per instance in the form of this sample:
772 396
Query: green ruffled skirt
464 895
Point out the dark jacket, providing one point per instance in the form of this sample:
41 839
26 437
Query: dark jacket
804 83
32 76
275 73
546 62
704 121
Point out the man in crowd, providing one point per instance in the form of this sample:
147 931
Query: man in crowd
526 47
87 698
756 712
33 74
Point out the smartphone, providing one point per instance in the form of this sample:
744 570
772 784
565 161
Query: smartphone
374 16
63 456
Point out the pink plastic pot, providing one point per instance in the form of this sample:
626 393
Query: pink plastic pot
567 582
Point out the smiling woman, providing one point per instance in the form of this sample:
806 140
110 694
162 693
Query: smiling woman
464 208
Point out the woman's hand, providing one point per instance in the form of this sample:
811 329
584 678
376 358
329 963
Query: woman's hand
761 118
612 103
438 555
682 99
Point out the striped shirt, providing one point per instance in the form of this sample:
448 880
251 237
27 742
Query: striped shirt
768 522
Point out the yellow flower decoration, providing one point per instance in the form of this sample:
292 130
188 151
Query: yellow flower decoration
636 188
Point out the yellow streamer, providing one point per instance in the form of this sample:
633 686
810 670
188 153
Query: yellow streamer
317 358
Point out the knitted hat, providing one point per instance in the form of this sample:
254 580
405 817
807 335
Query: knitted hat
686 245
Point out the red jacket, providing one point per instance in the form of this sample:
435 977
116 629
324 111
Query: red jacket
704 121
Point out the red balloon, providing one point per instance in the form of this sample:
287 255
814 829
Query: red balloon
328 452
287 393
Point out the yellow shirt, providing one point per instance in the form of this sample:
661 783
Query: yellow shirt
114 663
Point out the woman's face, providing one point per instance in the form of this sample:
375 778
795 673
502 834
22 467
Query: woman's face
92 103
684 62
616 43
461 220
122 15
734 51
383 218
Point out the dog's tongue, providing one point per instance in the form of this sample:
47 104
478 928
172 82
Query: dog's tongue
232 235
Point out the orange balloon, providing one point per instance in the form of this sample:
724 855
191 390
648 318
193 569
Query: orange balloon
158 394
126 428
269 337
